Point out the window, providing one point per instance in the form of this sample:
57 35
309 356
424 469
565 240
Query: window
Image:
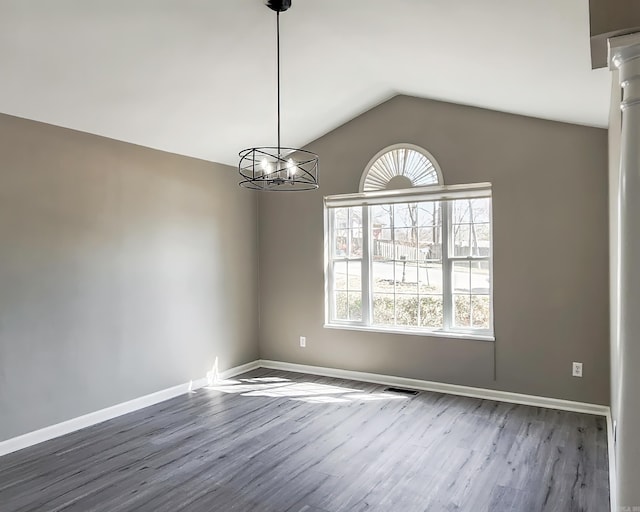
416 260
400 166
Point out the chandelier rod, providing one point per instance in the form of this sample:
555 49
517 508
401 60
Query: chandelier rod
278 66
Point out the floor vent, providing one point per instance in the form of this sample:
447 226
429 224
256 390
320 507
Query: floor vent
402 391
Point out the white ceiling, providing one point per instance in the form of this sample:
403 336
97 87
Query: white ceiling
197 77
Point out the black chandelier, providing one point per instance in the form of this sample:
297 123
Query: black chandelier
277 168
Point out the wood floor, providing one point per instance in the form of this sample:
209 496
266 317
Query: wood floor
283 442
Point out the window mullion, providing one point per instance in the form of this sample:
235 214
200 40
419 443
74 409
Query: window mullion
447 275
365 282
330 303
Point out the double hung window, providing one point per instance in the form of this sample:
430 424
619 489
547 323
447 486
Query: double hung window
415 260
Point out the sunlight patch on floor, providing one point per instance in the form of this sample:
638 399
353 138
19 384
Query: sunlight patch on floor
310 392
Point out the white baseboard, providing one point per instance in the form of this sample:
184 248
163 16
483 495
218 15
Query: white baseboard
87 420
439 387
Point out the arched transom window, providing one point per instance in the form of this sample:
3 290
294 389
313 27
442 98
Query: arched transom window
399 167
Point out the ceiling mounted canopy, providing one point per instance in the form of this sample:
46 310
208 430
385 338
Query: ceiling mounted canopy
278 5
277 168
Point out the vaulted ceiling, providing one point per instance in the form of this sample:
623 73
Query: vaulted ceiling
197 77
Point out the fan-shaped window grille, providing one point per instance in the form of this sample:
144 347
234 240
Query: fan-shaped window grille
401 166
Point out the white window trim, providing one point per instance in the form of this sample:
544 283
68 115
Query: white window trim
458 335
429 193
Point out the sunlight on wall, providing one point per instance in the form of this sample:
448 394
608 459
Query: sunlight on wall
213 377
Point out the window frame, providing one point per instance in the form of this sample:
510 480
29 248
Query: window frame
365 200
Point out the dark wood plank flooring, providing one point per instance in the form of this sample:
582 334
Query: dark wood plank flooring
274 441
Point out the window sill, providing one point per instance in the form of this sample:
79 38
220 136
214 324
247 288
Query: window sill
428 334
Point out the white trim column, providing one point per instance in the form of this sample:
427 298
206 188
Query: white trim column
624 55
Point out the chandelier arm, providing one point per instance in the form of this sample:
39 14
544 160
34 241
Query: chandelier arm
310 176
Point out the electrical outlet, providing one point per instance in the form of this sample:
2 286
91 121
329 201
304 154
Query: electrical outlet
577 369
303 341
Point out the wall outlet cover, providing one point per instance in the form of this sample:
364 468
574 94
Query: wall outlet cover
576 369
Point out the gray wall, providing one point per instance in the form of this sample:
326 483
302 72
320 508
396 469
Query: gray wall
123 271
550 255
